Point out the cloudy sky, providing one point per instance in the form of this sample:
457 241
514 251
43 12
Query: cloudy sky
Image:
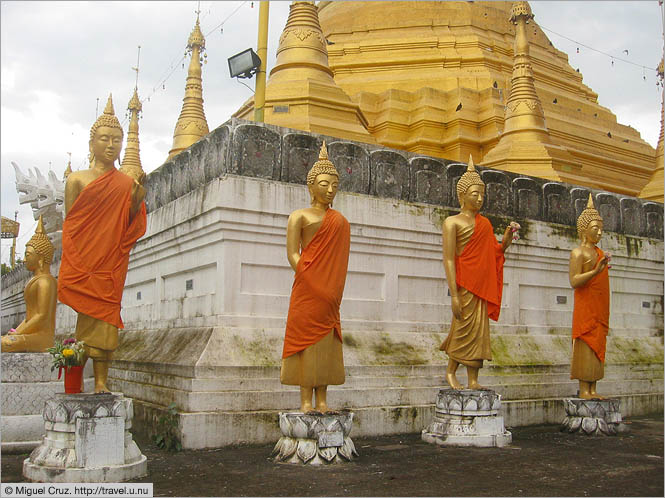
58 58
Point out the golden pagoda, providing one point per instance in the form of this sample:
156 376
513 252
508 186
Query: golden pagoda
192 124
435 78
131 162
301 92
653 190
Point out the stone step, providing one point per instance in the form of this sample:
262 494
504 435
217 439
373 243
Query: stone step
223 428
368 377
350 397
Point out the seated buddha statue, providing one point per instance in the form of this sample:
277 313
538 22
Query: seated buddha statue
37 331
317 247
589 276
473 262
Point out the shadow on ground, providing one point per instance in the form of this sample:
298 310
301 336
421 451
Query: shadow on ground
540 462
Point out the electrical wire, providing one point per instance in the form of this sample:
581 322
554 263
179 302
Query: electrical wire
250 88
613 57
229 17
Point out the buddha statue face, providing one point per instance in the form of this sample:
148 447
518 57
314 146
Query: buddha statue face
593 232
33 260
324 189
473 197
106 144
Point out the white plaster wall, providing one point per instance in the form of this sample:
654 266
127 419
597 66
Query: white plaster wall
228 240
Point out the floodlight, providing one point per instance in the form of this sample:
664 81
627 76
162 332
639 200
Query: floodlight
244 64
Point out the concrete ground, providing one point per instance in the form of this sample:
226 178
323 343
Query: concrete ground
540 462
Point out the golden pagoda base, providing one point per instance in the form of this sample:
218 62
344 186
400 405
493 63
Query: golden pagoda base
548 161
311 105
653 190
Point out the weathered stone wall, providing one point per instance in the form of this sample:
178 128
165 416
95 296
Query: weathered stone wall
263 151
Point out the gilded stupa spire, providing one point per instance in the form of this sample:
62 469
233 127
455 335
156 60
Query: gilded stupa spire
301 92
302 46
525 145
192 125
131 163
524 111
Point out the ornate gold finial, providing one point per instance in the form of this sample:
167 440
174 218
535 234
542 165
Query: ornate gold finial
587 216
192 124
41 243
661 69
321 167
196 37
520 9
131 163
323 153
470 177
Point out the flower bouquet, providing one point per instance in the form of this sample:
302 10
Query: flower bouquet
514 229
70 356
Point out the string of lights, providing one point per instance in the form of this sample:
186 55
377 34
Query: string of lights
174 65
613 57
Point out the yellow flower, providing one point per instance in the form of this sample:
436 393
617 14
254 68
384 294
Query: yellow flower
67 352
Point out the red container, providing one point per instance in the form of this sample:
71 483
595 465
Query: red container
73 377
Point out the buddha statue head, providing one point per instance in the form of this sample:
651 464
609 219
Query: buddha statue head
39 249
470 179
323 179
106 136
590 223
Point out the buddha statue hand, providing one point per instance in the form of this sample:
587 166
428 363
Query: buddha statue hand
510 234
601 264
457 306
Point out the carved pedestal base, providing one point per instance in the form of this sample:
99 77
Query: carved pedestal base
593 417
467 418
315 439
87 440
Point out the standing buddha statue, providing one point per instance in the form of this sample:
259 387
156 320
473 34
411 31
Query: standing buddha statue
317 247
473 261
37 331
589 276
104 217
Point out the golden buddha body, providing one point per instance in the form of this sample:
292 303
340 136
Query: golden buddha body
588 274
317 246
473 263
104 216
37 331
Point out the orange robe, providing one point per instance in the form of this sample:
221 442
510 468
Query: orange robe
479 268
591 314
318 286
96 239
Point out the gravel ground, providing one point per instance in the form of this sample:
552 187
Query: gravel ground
541 461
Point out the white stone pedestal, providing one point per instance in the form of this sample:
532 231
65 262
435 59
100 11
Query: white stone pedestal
27 380
467 418
87 440
315 439
593 417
